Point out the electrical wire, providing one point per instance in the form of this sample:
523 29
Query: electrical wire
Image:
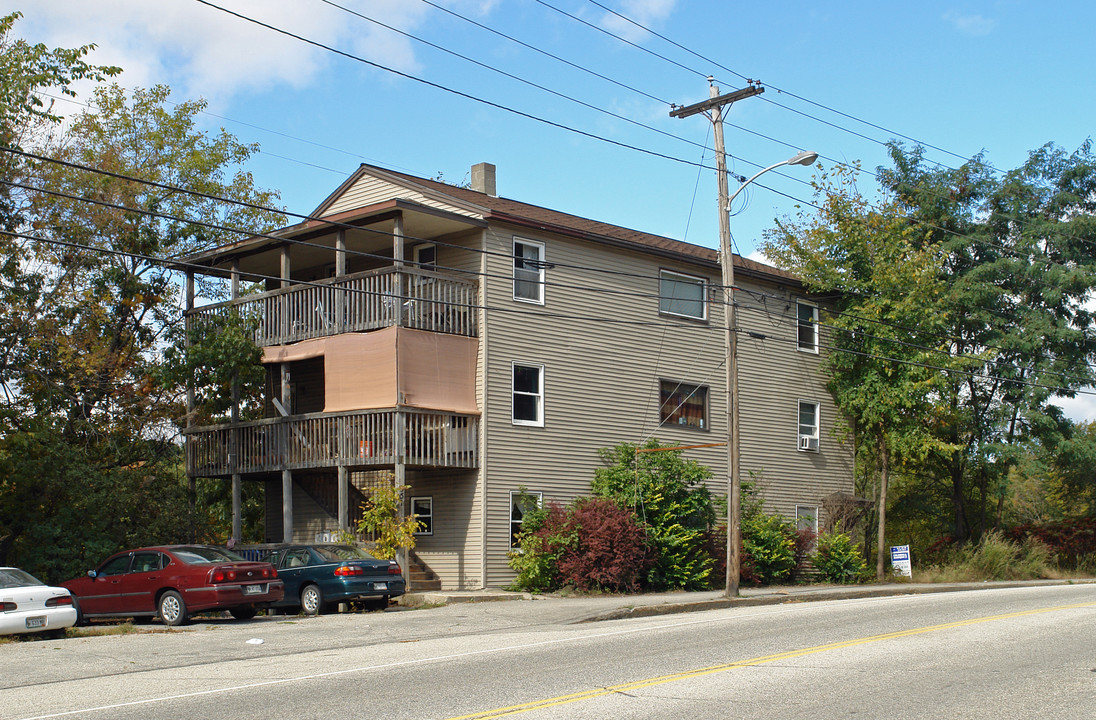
334 224
517 78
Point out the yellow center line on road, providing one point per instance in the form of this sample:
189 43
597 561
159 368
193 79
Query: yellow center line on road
700 672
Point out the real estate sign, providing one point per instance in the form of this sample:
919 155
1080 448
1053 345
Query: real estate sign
900 560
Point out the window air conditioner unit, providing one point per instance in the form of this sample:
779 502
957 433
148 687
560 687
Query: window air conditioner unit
808 443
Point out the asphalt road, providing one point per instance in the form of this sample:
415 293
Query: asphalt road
1005 653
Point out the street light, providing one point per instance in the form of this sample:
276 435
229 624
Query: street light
806 157
734 491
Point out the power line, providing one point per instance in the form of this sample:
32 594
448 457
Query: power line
965 373
779 90
438 86
334 224
546 53
785 319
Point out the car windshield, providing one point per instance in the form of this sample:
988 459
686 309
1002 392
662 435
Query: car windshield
338 553
14 577
197 555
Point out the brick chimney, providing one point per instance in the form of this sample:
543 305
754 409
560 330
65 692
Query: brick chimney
483 179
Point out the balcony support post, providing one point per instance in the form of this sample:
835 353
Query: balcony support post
237 509
192 484
287 505
234 434
340 273
401 481
287 474
344 498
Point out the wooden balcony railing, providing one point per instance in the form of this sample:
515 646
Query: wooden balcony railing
370 300
361 439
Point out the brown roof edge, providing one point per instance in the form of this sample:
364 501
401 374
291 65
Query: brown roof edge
535 216
670 249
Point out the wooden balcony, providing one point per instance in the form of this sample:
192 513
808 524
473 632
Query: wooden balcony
362 439
405 297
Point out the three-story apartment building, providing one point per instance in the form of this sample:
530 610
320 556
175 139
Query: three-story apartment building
476 347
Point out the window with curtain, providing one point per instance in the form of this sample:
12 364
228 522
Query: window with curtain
683 405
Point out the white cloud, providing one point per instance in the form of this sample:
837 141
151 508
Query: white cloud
1079 409
970 24
643 12
201 51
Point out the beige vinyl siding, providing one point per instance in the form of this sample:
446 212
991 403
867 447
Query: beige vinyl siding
458 260
452 552
308 517
601 379
774 375
368 190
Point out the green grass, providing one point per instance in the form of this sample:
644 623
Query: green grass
994 558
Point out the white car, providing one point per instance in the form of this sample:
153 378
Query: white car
28 605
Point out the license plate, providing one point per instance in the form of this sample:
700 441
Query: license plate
36 622
253 589
380 586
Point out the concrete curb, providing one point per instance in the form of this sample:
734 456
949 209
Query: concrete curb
780 598
585 609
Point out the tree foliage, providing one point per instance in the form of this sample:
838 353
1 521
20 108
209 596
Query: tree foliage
961 302
383 520
88 302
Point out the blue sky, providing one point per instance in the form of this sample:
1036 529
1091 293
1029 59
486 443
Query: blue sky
841 79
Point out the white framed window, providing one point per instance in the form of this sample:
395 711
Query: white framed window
808 425
521 504
426 256
806 518
683 405
682 295
422 507
528 394
528 271
806 326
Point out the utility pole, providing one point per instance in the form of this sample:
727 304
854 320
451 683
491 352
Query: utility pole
715 104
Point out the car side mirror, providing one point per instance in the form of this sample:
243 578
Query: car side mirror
92 573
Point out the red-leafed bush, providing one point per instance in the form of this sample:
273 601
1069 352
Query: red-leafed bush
610 551
1072 542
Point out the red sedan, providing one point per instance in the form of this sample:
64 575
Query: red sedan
173 581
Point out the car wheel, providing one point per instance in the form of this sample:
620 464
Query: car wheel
244 612
80 619
172 609
311 600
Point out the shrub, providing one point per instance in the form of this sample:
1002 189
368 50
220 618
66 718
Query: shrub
1073 542
542 542
993 558
838 559
592 544
769 541
669 495
381 520
610 550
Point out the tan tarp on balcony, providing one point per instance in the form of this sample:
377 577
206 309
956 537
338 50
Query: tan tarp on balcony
364 371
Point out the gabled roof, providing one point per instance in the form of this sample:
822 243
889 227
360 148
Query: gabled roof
519 213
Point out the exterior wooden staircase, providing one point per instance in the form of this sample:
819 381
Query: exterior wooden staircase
419 576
